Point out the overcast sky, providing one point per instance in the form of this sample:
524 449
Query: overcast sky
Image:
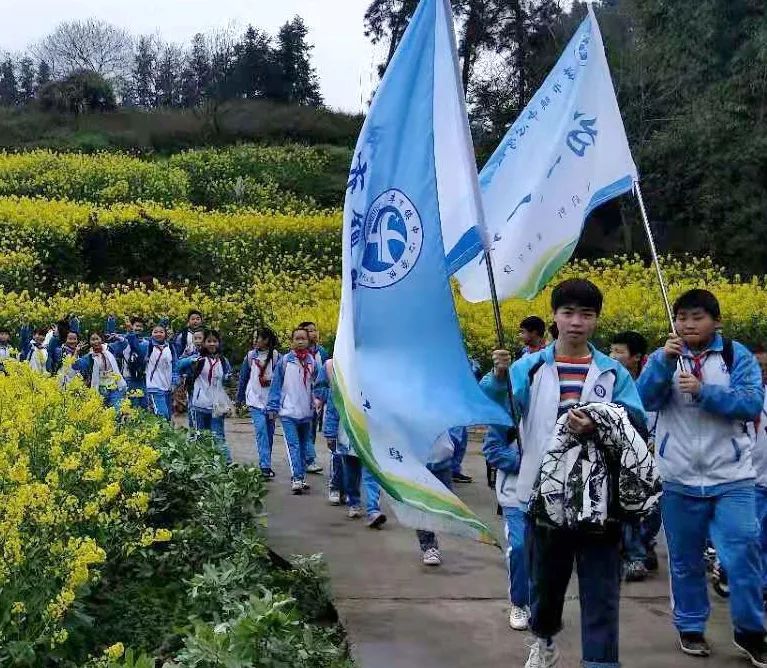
343 56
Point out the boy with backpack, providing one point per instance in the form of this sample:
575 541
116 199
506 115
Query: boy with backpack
706 388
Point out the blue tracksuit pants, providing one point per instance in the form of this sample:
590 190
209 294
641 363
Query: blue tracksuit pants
729 514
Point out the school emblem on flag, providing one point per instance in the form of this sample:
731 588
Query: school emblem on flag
411 215
393 240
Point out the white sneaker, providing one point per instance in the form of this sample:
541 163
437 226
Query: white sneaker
314 468
518 618
297 487
354 512
432 557
543 654
334 497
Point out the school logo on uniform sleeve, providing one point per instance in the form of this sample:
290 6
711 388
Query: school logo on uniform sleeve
393 240
600 391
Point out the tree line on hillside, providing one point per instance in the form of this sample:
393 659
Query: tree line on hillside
691 81
93 65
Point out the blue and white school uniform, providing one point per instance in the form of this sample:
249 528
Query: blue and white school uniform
256 376
505 456
704 457
6 352
160 372
102 373
188 385
354 476
36 356
213 373
291 396
542 389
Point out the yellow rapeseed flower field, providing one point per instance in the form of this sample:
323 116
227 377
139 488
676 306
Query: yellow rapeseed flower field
281 300
73 487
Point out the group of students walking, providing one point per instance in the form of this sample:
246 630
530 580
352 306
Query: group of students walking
700 399
148 370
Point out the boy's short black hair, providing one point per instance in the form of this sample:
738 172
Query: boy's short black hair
41 331
533 323
138 318
576 292
699 298
634 341
305 324
192 312
5 330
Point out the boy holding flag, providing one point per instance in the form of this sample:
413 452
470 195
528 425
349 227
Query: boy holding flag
704 403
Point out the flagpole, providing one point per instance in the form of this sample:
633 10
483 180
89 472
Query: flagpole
494 298
656 262
501 339
654 253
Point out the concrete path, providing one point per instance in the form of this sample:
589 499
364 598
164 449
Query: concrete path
400 614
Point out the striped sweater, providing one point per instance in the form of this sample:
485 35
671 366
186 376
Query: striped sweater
572 376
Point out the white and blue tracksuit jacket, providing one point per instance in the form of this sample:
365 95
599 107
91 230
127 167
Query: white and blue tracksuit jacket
213 373
500 451
291 395
249 388
703 441
535 383
160 361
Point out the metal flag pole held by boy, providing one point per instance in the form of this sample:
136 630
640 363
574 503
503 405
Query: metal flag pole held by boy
656 263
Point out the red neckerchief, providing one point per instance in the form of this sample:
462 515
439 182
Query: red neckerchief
214 361
261 369
105 365
306 360
697 364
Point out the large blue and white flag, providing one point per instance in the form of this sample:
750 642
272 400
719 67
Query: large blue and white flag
402 377
566 154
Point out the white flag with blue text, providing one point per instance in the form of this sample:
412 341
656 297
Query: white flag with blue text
412 215
566 154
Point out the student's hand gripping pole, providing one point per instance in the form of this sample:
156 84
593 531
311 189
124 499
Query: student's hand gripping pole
501 341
